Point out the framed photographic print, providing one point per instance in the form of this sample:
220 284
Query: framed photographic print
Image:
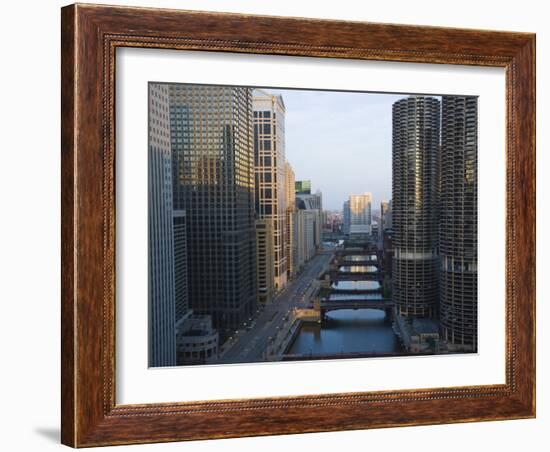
280 225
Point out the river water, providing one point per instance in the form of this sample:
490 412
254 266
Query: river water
348 331
356 285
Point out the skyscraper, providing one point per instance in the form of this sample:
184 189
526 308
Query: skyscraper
310 201
270 174
360 213
162 335
264 260
314 203
346 215
416 127
307 224
458 223
213 181
290 218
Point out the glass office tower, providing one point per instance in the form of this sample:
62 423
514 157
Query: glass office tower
213 182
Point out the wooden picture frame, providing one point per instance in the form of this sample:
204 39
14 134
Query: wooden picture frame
90 35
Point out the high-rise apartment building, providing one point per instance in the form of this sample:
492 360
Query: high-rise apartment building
162 335
360 211
416 127
211 130
458 222
270 174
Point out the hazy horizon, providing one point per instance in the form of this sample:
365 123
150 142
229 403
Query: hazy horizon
341 141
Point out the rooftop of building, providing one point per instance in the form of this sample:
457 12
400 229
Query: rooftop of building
425 326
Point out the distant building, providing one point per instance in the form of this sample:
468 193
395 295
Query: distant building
416 127
307 230
387 251
310 201
360 214
374 230
211 129
303 187
309 226
385 215
458 222
270 174
346 214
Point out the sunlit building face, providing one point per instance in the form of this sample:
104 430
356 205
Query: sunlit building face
271 199
213 181
360 213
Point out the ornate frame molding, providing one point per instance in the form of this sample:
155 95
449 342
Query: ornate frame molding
90 36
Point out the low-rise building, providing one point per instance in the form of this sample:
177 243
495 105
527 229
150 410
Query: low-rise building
196 340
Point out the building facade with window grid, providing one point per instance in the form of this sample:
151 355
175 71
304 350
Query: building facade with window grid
213 181
360 213
264 260
270 177
346 217
181 299
415 149
290 219
161 287
458 222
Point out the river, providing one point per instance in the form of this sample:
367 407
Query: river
349 331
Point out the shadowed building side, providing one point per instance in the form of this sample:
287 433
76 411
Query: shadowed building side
458 233
161 296
213 181
264 260
290 219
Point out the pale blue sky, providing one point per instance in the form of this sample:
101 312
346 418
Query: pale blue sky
341 141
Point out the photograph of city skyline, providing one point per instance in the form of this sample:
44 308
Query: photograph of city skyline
295 224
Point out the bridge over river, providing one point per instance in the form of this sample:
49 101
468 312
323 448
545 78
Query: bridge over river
384 304
354 282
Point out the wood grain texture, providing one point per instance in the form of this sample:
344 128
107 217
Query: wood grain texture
90 36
